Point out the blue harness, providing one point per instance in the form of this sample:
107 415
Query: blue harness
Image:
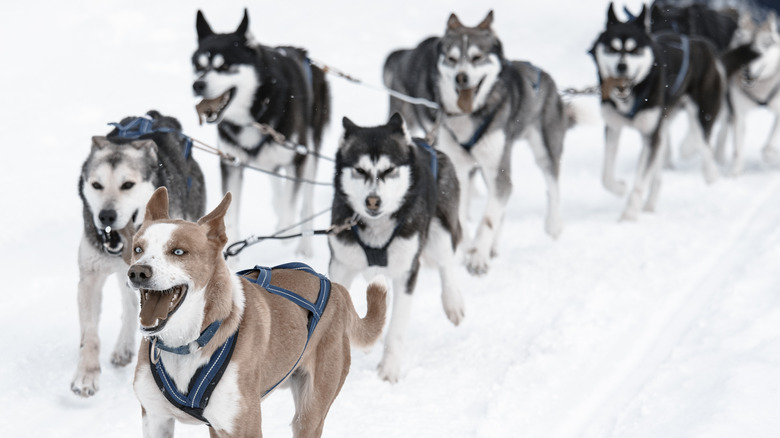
140 126
378 256
206 379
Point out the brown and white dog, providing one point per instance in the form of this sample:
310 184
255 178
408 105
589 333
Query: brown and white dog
187 290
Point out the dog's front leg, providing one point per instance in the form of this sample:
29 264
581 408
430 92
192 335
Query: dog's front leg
232 181
307 209
390 366
649 167
125 344
90 293
769 153
611 139
157 426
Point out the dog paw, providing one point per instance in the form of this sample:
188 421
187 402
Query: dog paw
629 216
85 384
389 369
553 228
476 263
304 248
617 187
122 357
454 307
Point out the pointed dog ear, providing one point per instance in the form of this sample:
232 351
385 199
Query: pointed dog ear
641 19
397 124
99 142
215 222
157 207
349 126
611 17
487 22
244 26
453 23
202 26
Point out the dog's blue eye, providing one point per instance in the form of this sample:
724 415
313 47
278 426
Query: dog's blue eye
97 186
178 252
138 250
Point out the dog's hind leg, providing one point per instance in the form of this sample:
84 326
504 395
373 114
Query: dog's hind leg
90 294
125 344
232 181
307 208
700 129
390 366
770 152
314 390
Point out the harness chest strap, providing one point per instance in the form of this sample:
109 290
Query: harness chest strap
206 379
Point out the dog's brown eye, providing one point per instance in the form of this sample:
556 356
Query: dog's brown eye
359 173
476 58
127 185
97 186
452 59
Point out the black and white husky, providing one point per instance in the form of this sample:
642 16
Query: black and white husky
244 84
644 79
487 104
117 179
756 85
404 196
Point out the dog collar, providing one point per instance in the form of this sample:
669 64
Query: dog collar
193 346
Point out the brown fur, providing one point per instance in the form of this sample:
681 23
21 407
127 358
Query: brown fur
273 330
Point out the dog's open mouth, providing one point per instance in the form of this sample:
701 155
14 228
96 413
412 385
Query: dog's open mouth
158 305
620 85
210 110
466 98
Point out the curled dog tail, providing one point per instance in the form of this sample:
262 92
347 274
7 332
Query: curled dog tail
364 332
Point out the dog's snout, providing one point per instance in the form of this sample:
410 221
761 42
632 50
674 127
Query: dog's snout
373 202
199 87
462 79
107 217
622 67
138 274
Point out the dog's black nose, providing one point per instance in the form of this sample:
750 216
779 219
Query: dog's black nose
107 217
373 203
199 86
622 67
138 274
462 79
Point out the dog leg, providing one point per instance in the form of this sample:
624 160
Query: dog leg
314 391
697 136
652 198
769 153
611 138
155 426
90 294
726 117
439 249
125 344
232 181
390 366
307 209
549 166
651 157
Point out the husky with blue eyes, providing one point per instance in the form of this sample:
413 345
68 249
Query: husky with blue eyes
645 78
401 197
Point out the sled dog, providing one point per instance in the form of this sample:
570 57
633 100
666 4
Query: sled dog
245 84
217 343
403 197
644 79
487 103
117 179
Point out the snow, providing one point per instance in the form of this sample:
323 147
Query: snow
667 327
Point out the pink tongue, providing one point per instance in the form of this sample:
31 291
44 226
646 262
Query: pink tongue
154 307
466 99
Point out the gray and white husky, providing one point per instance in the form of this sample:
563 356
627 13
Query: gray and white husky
487 103
403 197
117 179
244 83
645 79
756 85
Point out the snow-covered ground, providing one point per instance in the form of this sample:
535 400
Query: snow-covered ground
668 327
